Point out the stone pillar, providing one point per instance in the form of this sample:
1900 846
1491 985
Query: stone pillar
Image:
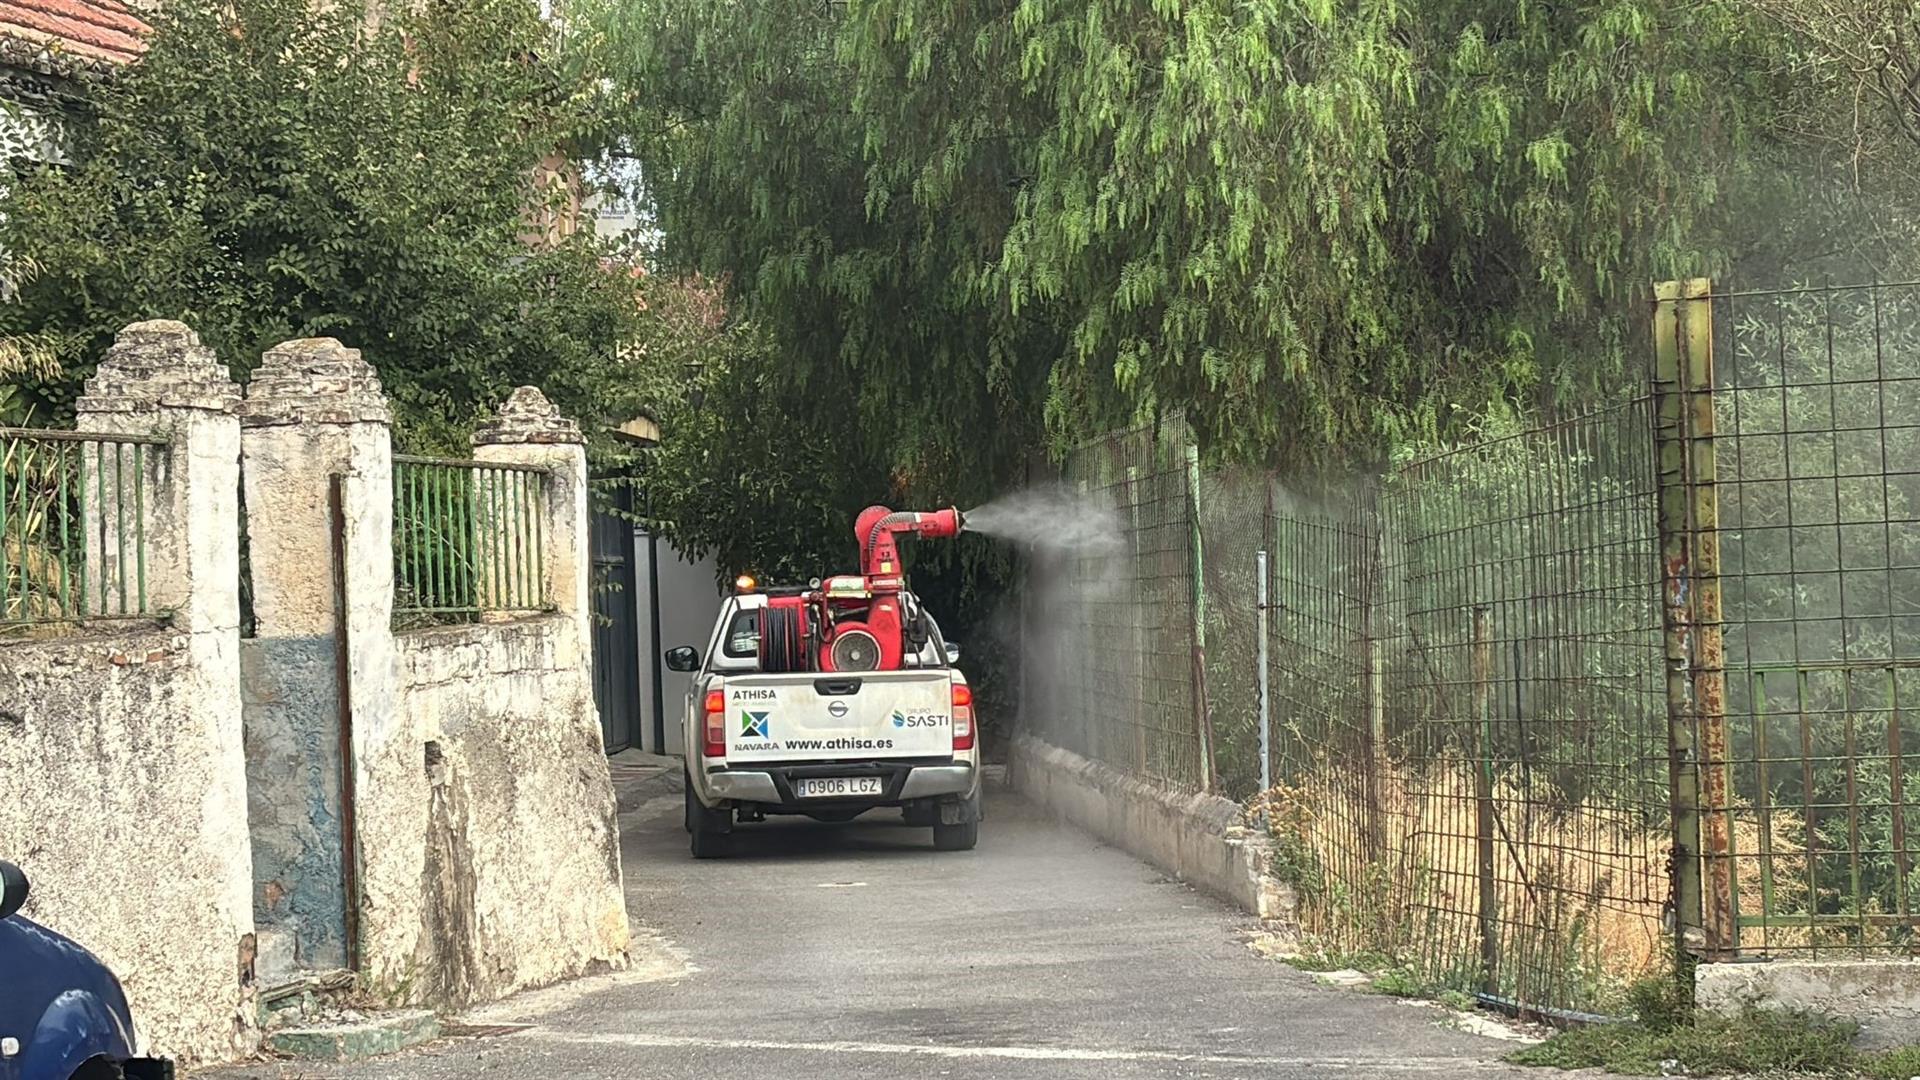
158 380
191 943
529 430
314 417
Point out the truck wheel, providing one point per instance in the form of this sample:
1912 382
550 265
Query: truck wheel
686 818
961 835
708 829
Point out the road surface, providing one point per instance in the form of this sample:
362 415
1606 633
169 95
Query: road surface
858 951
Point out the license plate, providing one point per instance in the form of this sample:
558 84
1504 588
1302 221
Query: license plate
831 786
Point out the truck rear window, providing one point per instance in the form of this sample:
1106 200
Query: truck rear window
743 636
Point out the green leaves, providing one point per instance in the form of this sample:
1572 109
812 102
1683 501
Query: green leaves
1322 229
271 171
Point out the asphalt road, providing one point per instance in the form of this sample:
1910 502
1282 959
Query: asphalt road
858 951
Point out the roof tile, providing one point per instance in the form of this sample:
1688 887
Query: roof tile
100 29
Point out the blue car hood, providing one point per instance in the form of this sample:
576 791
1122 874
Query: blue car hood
39 968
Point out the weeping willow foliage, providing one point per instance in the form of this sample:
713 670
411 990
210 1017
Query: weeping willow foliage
1316 227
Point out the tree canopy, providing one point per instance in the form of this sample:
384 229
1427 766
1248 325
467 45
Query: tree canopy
270 171
1315 228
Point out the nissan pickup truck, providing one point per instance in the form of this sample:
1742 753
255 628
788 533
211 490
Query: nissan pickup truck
830 745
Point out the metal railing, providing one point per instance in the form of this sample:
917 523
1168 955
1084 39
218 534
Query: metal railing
470 538
75 526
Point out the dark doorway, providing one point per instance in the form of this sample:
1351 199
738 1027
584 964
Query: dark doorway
616 621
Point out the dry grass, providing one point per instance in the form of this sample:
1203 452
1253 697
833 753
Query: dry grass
1580 887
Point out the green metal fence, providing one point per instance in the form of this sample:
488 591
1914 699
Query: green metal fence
75 528
470 538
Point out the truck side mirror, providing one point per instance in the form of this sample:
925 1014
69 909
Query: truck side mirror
13 889
684 658
953 652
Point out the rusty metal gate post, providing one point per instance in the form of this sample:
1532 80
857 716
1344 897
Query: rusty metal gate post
1691 612
1482 675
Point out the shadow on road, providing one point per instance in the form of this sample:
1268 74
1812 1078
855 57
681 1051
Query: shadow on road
880 833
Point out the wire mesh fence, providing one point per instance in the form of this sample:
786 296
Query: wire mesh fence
1468 725
76 528
1524 716
1551 710
1117 624
469 539
1817 403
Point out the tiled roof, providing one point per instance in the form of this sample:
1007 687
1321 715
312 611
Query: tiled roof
90 29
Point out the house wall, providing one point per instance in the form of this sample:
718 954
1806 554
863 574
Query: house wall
688 602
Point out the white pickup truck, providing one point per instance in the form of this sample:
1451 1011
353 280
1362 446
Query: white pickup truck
828 745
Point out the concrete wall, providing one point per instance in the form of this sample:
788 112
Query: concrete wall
1882 996
505 872
1195 838
689 601
121 796
170 788
488 854
122 784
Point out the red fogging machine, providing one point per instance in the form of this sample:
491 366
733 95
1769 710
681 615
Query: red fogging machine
855 622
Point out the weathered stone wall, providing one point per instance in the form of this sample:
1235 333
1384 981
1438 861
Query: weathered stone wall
120 796
501 867
433 809
498 866
122 785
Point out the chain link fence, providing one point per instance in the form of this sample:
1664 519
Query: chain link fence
1548 711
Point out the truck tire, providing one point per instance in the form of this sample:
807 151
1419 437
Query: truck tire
707 829
961 835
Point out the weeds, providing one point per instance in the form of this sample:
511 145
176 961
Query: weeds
1901 1064
1401 982
1318 954
1754 1042
1666 1038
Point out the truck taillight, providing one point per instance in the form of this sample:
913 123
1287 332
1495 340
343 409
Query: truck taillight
962 717
716 730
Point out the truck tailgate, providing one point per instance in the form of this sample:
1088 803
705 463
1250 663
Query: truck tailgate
823 716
